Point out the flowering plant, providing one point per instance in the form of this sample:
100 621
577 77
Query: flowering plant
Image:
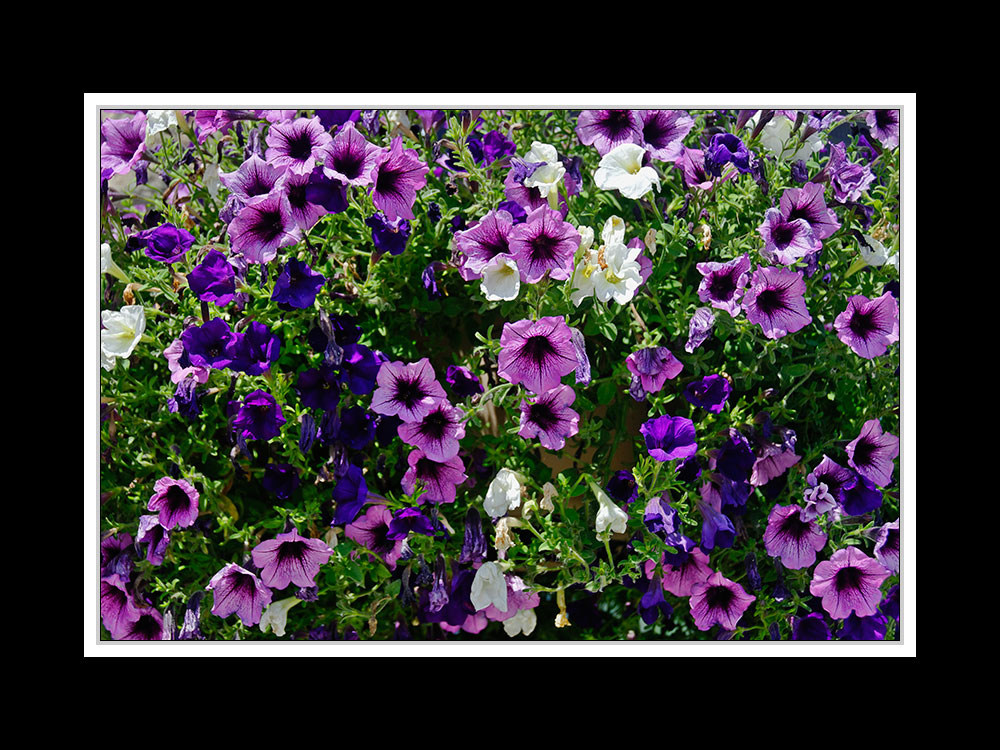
494 374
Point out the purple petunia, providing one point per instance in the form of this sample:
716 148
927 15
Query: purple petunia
859 495
436 433
549 418
483 242
462 381
884 125
812 627
371 531
607 128
209 345
726 148
147 626
887 546
669 437
409 391
296 145
785 241
792 538
349 157
176 502
123 144
238 590
259 416
872 452
389 236
710 393
154 536
349 495
825 482
722 284
663 132
718 601
214 279
544 243
679 578
397 175
290 558
536 354
849 582
776 302
439 478
166 243
867 326
807 203
297 285
699 328
259 230
652 367
281 480
253 180
255 349
849 180
118 610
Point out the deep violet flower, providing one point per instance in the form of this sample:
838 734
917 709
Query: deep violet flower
436 433
725 148
290 558
118 610
808 203
663 132
259 417
438 478
147 626
359 368
238 590
859 495
776 302
699 328
793 538
622 488
319 388
255 349
176 502
154 536
549 418
296 145
462 381
389 236
652 604
357 427
281 480
669 437
544 243
607 128
867 326
536 354
663 520
653 366
691 162
409 391
483 242
406 520
884 125
848 582
166 243
849 180
887 546
710 393
872 452
371 532
123 144
397 175
214 279
474 546
785 242
718 601
812 627
259 230
349 495
717 528
870 628
254 180
185 400
722 284
297 285
349 157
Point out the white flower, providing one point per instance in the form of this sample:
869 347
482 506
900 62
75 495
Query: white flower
547 178
523 622
158 120
501 279
108 264
876 254
504 493
609 515
621 274
276 615
586 264
621 169
775 138
399 123
489 587
107 362
122 331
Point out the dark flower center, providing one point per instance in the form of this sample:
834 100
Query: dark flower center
434 425
892 541
294 550
408 392
257 184
883 119
722 286
616 122
348 164
543 248
269 225
863 324
297 196
719 597
863 452
381 545
427 469
848 579
799 212
655 132
244 585
794 526
543 415
538 349
177 499
147 627
300 147
783 234
387 181
770 301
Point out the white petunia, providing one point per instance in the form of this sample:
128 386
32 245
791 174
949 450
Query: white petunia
523 622
620 273
158 120
775 138
546 178
276 615
489 587
122 330
876 254
621 169
108 264
609 515
586 264
504 493
501 279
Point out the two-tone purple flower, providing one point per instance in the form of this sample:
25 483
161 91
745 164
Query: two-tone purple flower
544 244
439 478
669 437
793 538
775 300
290 558
872 452
869 326
296 145
397 175
409 391
849 581
236 589
536 354
722 284
549 418
718 601
176 502
437 433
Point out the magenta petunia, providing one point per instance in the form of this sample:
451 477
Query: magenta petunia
776 301
123 144
884 125
396 176
147 626
607 128
872 452
290 558
260 229
792 538
678 579
722 284
297 144
718 601
118 611
849 581
867 326
238 590
349 157
437 433
154 536
536 354
439 478
176 501
549 418
409 391
653 366
544 243
371 531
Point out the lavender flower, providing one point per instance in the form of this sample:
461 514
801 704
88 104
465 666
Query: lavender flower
887 546
253 180
439 478
118 610
297 145
407 390
663 132
262 228
607 128
884 125
653 367
479 245
718 601
397 175
792 538
371 531
154 536
290 558
849 180
236 589
349 157
848 582
872 452
785 242
536 354
681 577
549 418
700 328
776 301
723 284
176 502
544 243
807 203
436 433
868 327
123 144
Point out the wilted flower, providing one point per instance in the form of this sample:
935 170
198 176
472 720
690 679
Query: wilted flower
275 617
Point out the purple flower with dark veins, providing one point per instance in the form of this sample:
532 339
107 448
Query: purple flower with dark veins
718 601
483 242
776 302
699 328
884 125
439 478
118 610
238 590
544 243
792 538
872 452
290 558
849 581
261 229
549 418
397 175
867 326
154 536
123 144
254 180
722 284
849 180
296 145
148 626
785 242
409 391
653 366
305 200
436 433
536 354
663 132
607 128
887 546
371 531
349 157
176 502
807 203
